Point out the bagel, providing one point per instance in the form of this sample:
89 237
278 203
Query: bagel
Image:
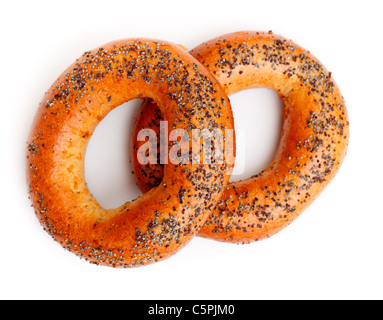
312 145
158 224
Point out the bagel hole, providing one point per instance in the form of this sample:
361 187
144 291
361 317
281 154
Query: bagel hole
258 115
108 170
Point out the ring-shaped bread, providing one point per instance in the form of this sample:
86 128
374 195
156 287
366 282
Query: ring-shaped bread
158 224
313 141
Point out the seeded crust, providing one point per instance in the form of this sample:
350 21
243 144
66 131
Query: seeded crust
158 224
313 141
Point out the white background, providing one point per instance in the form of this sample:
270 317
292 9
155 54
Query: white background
332 251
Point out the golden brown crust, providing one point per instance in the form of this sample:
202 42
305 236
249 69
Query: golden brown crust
312 146
162 221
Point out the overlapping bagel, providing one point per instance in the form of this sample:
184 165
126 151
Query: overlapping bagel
312 145
158 224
